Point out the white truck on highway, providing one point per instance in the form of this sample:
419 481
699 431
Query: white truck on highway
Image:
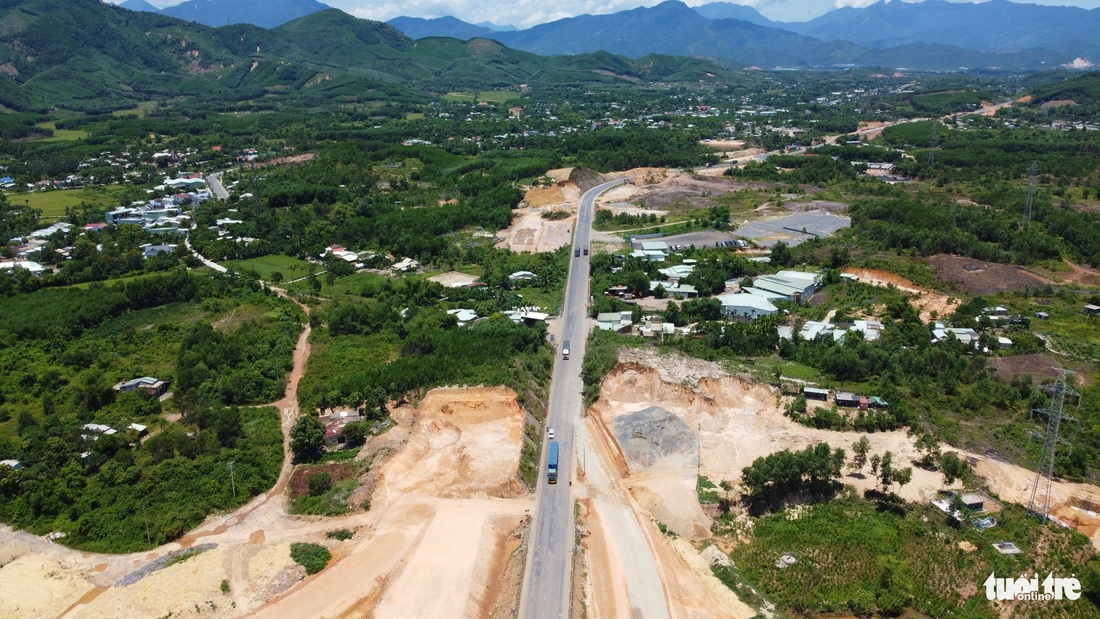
565 350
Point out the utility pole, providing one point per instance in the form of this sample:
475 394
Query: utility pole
232 478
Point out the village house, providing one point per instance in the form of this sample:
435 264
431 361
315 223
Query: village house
614 321
148 384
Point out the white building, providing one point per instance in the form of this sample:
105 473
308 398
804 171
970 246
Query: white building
10 265
745 305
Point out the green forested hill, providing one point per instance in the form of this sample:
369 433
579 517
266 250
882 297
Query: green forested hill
90 56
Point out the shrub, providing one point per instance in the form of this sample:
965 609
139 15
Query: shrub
319 483
340 534
313 557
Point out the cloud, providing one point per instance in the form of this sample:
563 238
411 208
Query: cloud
856 4
520 13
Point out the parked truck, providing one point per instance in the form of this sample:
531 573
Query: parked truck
565 350
552 463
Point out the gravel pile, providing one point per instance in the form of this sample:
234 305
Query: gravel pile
651 434
163 562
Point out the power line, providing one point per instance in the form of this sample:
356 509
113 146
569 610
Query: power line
932 144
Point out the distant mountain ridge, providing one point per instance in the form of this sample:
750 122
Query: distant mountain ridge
676 29
139 5
262 13
420 28
995 25
728 10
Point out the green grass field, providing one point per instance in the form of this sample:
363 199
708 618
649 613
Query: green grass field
291 268
61 135
492 96
53 203
139 110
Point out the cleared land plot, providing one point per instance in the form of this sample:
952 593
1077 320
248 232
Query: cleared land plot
980 277
291 268
794 229
54 202
61 135
492 96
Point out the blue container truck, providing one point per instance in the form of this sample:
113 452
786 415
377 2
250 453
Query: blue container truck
552 463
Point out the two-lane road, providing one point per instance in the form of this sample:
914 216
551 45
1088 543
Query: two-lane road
549 559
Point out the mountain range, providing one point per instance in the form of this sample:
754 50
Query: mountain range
933 34
263 13
737 35
94 57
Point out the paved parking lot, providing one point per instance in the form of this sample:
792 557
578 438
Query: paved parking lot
700 239
793 229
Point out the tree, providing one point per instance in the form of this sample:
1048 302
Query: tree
876 460
859 453
886 471
319 483
952 467
929 448
307 439
781 255
354 434
903 476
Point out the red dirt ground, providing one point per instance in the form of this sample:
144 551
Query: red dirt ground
980 277
299 481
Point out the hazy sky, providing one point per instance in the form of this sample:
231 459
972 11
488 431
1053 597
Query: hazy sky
527 13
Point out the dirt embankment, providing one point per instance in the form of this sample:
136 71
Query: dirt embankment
739 420
464 443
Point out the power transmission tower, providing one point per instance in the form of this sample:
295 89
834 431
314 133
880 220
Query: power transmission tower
1039 504
232 478
1030 192
932 144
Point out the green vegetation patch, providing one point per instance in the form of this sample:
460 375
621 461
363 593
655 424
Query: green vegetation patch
289 268
53 202
61 135
322 490
313 557
854 556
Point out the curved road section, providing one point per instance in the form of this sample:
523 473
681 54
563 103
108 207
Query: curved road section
549 560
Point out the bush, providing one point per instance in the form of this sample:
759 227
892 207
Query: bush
313 557
319 483
340 534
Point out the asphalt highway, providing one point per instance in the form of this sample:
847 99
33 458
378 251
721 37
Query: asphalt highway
549 559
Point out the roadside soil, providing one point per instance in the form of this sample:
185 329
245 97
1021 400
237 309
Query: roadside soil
926 301
530 232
